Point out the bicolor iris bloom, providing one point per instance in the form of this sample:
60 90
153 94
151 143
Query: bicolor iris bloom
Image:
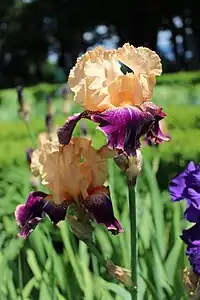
118 102
74 174
186 185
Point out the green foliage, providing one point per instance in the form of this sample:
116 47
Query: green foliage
181 78
52 263
183 122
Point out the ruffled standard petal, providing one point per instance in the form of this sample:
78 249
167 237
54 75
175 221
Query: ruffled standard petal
145 63
90 77
29 215
100 206
191 237
177 185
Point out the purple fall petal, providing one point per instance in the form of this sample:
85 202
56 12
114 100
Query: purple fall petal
29 215
177 185
191 237
101 208
123 127
65 132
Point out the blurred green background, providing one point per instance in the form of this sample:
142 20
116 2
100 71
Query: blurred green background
40 41
52 263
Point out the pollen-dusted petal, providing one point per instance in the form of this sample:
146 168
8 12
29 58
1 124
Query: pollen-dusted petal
90 77
29 215
100 205
145 64
123 126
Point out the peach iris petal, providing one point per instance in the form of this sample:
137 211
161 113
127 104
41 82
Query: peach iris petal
98 162
91 76
70 170
125 91
145 63
99 84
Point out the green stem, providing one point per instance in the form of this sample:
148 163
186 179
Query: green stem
116 271
97 253
134 239
20 276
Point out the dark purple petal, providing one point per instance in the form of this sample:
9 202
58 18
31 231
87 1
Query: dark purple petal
101 208
191 237
194 259
192 213
154 132
65 132
123 127
29 215
177 185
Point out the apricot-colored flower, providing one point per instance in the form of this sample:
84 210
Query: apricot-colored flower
117 101
75 173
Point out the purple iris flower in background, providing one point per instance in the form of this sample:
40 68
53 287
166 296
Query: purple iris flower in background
186 185
191 237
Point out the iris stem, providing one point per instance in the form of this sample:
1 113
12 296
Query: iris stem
119 273
20 276
134 238
97 253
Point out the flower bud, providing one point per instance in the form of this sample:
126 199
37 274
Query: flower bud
130 165
123 275
191 282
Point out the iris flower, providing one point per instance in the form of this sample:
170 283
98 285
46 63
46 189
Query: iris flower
186 185
74 174
118 102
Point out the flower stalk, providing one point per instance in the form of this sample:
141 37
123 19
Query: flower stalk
119 273
134 238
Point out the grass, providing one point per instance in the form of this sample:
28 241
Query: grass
53 264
